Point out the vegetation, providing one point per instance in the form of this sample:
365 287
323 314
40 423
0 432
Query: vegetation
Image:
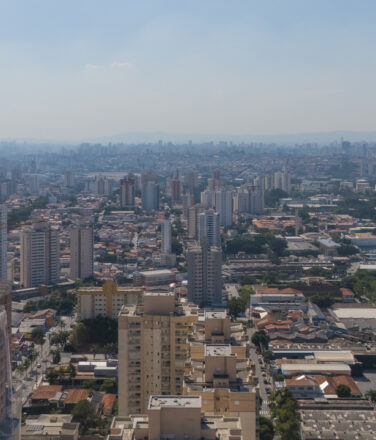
249 244
62 375
284 409
362 283
323 301
237 306
19 215
268 356
37 334
63 304
371 395
266 429
176 246
86 333
79 336
343 390
260 339
273 196
60 339
110 386
84 411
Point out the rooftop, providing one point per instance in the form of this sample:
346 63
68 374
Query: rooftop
217 350
158 402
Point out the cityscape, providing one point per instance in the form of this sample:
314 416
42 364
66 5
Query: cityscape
187 220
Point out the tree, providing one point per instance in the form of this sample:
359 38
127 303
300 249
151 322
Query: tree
266 429
273 196
52 376
343 390
176 246
268 356
84 411
277 245
95 349
56 357
79 336
284 409
59 339
260 338
235 307
371 395
110 385
37 335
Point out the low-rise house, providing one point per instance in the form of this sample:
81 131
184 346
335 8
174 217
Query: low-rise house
50 427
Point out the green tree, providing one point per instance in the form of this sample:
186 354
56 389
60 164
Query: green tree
343 390
235 307
284 409
79 336
52 376
260 338
56 357
59 338
110 385
37 335
371 395
266 429
176 246
84 411
268 356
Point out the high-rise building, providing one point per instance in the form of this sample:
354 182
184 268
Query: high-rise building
178 418
3 242
39 255
208 199
68 179
175 190
33 183
187 200
106 300
219 370
282 180
150 196
127 192
81 249
223 205
204 274
6 414
193 213
208 228
166 237
152 349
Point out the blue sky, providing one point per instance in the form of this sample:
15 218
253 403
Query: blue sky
75 70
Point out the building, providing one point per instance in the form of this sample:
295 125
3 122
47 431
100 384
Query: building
166 237
150 196
8 404
50 427
106 300
276 299
150 278
81 249
219 371
39 255
6 302
175 190
193 214
127 192
223 205
68 179
152 349
3 242
175 417
204 274
208 228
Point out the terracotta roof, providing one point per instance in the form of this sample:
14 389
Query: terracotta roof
45 392
108 400
75 395
346 292
329 384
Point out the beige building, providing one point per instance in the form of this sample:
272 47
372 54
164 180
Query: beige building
152 349
39 255
220 372
106 300
50 427
5 373
178 418
81 248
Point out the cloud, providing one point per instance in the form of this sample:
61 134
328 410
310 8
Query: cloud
90 67
121 65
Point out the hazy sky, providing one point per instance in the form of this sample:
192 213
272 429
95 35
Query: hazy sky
84 69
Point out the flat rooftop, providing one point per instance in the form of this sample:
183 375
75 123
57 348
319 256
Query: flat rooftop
355 313
215 314
217 350
154 273
158 402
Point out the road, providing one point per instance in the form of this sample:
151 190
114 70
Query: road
264 410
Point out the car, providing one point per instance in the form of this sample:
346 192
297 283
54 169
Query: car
268 391
265 382
39 365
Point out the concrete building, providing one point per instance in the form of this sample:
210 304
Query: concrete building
81 248
175 417
166 237
193 214
50 427
208 228
150 278
204 274
106 300
219 371
68 179
39 255
152 349
175 190
3 242
127 192
223 205
150 196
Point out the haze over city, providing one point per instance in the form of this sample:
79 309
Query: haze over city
77 71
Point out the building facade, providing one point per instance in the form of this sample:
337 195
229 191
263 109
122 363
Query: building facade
81 248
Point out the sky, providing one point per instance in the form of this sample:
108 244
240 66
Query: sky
85 69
